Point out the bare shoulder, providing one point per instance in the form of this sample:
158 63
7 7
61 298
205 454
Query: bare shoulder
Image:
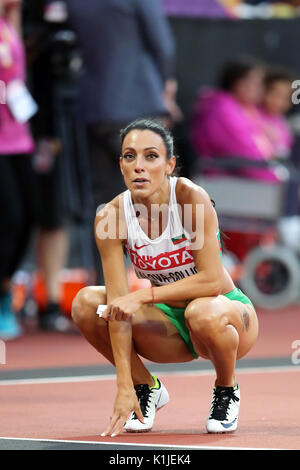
197 209
189 192
110 220
196 205
114 205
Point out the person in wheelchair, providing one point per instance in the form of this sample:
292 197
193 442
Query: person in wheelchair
227 121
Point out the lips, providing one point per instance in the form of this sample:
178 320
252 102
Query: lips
140 180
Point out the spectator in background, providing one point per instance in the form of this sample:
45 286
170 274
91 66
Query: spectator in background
128 55
52 241
17 182
276 102
227 122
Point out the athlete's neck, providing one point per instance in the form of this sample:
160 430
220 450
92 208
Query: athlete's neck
158 198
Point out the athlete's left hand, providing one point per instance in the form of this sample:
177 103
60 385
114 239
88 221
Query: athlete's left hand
123 308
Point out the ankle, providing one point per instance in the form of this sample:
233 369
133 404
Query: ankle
144 380
226 383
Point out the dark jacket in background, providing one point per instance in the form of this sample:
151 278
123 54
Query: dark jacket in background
128 53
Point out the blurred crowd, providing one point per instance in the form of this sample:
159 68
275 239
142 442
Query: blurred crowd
124 65
245 116
264 9
234 9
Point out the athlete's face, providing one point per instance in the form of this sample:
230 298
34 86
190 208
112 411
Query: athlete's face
144 162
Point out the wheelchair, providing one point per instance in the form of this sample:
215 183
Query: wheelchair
269 272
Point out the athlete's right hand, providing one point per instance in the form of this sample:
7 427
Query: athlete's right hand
126 401
124 307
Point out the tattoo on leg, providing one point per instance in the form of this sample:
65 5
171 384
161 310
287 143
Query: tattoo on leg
246 320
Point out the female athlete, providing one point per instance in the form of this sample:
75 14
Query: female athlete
169 228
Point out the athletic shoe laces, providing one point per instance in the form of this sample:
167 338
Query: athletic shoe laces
221 402
144 395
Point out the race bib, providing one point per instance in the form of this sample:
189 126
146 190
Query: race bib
19 100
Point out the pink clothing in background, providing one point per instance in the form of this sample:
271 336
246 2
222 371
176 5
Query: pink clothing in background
221 127
278 131
15 137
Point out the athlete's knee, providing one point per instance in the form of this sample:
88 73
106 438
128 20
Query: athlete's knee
203 318
81 305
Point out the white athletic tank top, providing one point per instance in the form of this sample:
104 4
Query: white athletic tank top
165 259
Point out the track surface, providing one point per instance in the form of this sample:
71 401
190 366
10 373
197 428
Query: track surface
57 393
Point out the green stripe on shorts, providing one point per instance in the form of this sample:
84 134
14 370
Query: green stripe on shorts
176 315
237 294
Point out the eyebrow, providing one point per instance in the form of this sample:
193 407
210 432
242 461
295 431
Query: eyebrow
146 148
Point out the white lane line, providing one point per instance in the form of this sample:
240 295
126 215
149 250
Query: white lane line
53 380
116 443
95 378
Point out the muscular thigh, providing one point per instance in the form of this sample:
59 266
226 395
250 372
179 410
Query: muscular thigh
154 336
228 312
245 317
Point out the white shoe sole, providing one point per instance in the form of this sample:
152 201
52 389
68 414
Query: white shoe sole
162 401
217 428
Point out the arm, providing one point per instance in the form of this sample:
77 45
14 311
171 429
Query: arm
225 132
159 40
231 136
120 332
158 35
232 139
210 277
169 97
111 253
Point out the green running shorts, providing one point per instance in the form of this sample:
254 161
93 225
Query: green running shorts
176 315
